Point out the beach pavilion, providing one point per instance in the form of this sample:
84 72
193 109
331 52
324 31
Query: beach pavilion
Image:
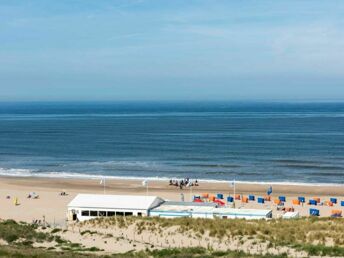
89 206
206 210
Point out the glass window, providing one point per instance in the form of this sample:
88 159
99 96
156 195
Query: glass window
94 213
139 214
110 213
119 214
85 213
102 213
128 214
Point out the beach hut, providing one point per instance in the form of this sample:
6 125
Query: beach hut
296 202
314 212
251 198
237 197
313 202
282 198
244 199
342 203
301 199
219 196
230 199
333 200
336 213
261 200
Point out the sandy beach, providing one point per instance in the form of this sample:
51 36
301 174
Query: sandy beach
51 206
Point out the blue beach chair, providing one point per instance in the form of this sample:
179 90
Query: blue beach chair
261 200
314 212
282 198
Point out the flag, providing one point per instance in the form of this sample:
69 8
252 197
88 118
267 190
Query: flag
144 182
269 191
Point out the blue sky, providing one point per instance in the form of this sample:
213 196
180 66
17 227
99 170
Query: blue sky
171 50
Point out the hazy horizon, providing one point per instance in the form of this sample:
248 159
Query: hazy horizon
171 51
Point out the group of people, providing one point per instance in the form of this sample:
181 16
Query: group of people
183 182
39 222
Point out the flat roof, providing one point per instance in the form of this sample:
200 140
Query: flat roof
210 209
101 201
242 212
191 204
183 207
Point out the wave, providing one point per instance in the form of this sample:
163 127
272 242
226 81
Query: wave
15 172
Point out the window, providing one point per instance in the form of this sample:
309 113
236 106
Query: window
119 214
110 213
128 214
102 213
94 213
85 213
139 214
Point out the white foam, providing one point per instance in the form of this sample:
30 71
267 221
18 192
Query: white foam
11 172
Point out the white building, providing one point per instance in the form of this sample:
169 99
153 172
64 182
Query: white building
231 213
88 206
206 210
184 209
291 215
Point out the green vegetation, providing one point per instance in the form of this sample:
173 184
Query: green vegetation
27 252
21 236
316 236
11 231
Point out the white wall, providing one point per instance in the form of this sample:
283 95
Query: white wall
78 212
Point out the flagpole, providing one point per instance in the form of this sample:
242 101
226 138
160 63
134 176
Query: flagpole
190 193
104 185
147 188
234 193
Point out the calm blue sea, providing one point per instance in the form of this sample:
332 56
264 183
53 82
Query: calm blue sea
255 142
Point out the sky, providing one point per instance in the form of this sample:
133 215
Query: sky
171 50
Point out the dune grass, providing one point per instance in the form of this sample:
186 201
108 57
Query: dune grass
11 231
316 236
29 252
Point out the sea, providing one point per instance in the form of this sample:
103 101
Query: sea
254 142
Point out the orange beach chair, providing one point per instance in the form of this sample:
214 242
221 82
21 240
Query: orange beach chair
277 201
237 197
296 202
244 199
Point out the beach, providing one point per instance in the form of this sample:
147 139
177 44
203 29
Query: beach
52 207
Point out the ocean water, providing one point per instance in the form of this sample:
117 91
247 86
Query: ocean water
253 142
